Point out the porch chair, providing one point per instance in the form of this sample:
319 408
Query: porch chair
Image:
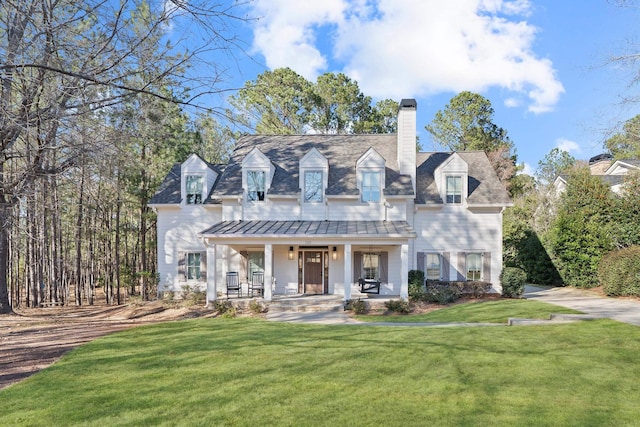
257 283
233 283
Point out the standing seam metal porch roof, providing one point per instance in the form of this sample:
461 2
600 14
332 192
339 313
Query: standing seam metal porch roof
357 229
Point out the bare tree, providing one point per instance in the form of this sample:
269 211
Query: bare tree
66 58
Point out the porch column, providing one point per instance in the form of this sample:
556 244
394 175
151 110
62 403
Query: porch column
348 273
211 273
268 271
404 271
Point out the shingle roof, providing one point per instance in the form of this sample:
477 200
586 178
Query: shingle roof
632 162
169 191
341 151
289 229
483 185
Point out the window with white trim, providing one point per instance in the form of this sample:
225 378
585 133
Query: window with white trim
474 266
193 188
312 186
454 189
433 266
370 266
255 186
193 266
370 186
256 263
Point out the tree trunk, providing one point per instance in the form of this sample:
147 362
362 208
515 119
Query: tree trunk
5 217
79 282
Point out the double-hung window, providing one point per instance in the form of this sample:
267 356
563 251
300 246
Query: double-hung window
313 186
370 266
256 263
474 266
255 186
454 189
193 187
193 266
433 267
371 186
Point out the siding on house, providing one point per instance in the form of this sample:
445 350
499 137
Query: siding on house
410 217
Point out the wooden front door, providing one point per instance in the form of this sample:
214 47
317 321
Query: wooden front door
313 273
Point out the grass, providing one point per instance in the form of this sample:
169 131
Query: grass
496 311
247 372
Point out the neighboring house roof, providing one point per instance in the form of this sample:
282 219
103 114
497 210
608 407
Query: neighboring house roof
484 187
631 162
341 151
342 229
610 180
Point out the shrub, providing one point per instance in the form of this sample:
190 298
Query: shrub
619 272
357 305
229 313
513 280
442 292
399 306
470 288
223 306
416 285
192 295
257 307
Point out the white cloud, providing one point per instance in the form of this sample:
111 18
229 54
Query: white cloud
527 170
512 102
568 145
411 48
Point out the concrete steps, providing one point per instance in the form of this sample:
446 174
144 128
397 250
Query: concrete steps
306 304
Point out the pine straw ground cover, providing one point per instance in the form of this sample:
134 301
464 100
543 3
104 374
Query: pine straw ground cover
251 372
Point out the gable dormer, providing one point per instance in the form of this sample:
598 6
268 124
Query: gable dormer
314 176
370 172
257 173
452 178
196 180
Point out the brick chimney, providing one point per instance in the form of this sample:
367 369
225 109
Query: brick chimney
407 139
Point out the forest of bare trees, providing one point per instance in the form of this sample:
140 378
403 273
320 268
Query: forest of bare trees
92 115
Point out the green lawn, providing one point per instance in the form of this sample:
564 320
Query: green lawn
247 372
498 311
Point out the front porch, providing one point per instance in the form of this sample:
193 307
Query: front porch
308 257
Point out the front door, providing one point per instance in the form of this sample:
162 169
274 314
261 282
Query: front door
313 272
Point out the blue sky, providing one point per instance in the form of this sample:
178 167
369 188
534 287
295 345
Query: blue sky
543 64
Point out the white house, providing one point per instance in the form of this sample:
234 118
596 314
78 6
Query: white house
612 173
315 214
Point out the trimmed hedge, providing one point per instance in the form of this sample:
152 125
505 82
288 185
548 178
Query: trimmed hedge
513 280
416 285
619 272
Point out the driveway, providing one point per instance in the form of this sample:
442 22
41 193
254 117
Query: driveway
622 310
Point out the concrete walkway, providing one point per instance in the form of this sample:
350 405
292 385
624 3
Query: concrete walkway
627 311
622 310
340 318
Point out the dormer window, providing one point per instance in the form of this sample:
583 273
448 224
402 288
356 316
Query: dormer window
255 186
193 189
454 189
312 186
370 186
